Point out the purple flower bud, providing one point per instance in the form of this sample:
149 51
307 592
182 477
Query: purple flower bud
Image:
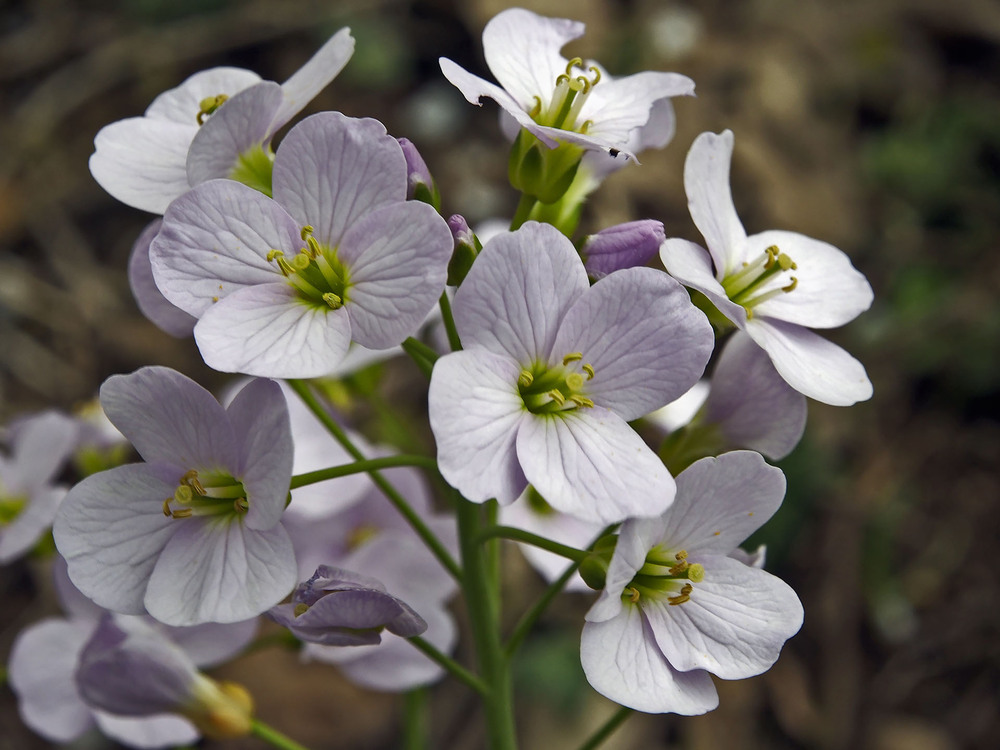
419 183
339 608
622 246
467 247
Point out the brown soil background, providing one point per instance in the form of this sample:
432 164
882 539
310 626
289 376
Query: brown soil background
872 125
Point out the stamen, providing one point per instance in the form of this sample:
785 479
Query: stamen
572 357
791 287
525 379
306 231
597 75
536 108
633 594
576 62
240 505
589 369
182 513
684 596
166 507
582 401
556 395
300 609
209 105
333 300
272 254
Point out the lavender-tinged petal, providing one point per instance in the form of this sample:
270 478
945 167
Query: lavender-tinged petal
829 291
259 414
332 169
182 104
242 123
170 418
111 530
734 624
325 634
752 404
591 464
21 534
417 173
475 410
627 326
721 501
43 443
398 260
215 240
148 732
518 291
706 181
76 606
691 265
622 662
220 571
522 51
140 161
405 566
474 88
351 617
334 578
622 246
267 331
813 366
164 314
681 410
619 106
315 75
42 662
213 643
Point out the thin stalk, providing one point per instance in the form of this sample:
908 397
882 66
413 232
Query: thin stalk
273 736
520 535
360 467
493 553
608 728
423 355
529 618
449 322
415 720
423 531
450 665
523 211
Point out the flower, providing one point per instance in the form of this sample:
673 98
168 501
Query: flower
337 607
218 123
281 287
775 285
626 245
40 445
552 371
165 316
559 100
679 602
194 534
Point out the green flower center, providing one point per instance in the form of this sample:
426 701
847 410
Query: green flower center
665 574
209 105
10 507
318 276
761 280
571 91
206 494
547 390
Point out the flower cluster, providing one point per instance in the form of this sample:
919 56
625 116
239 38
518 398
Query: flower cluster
557 360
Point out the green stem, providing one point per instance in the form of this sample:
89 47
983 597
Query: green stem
423 355
609 727
449 322
529 618
523 211
360 467
484 619
276 738
392 494
450 665
415 720
520 535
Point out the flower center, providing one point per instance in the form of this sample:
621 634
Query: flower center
665 574
561 388
208 105
571 91
10 507
211 494
315 272
768 276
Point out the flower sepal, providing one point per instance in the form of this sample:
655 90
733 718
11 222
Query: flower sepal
541 172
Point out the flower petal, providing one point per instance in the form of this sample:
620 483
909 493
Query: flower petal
518 291
170 418
734 624
164 314
475 410
706 181
813 366
591 464
215 240
182 104
618 106
315 75
623 663
830 291
156 731
627 326
266 330
332 169
691 265
20 535
111 529
398 259
220 571
140 161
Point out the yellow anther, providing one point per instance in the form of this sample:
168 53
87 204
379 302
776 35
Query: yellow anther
572 357
182 513
586 126
589 369
525 378
240 505
562 78
307 230
208 105
581 401
574 381
166 507
272 254
580 84
684 596
597 75
772 253
682 555
536 108
333 300
633 594
557 396
790 287
313 246
574 63
300 609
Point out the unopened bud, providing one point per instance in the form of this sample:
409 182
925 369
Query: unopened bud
622 246
419 183
467 247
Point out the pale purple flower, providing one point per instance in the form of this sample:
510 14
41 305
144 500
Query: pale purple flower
678 606
281 287
218 123
551 372
774 285
626 245
338 607
29 497
194 534
419 182
164 315
559 100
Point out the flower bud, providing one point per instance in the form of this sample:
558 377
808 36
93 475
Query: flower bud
622 246
419 183
467 247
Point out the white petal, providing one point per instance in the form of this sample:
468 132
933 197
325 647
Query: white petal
148 732
691 265
475 410
617 107
182 104
813 366
623 663
734 624
315 75
164 314
591 464
220 571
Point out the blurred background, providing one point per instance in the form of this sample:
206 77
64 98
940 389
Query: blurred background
871 124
